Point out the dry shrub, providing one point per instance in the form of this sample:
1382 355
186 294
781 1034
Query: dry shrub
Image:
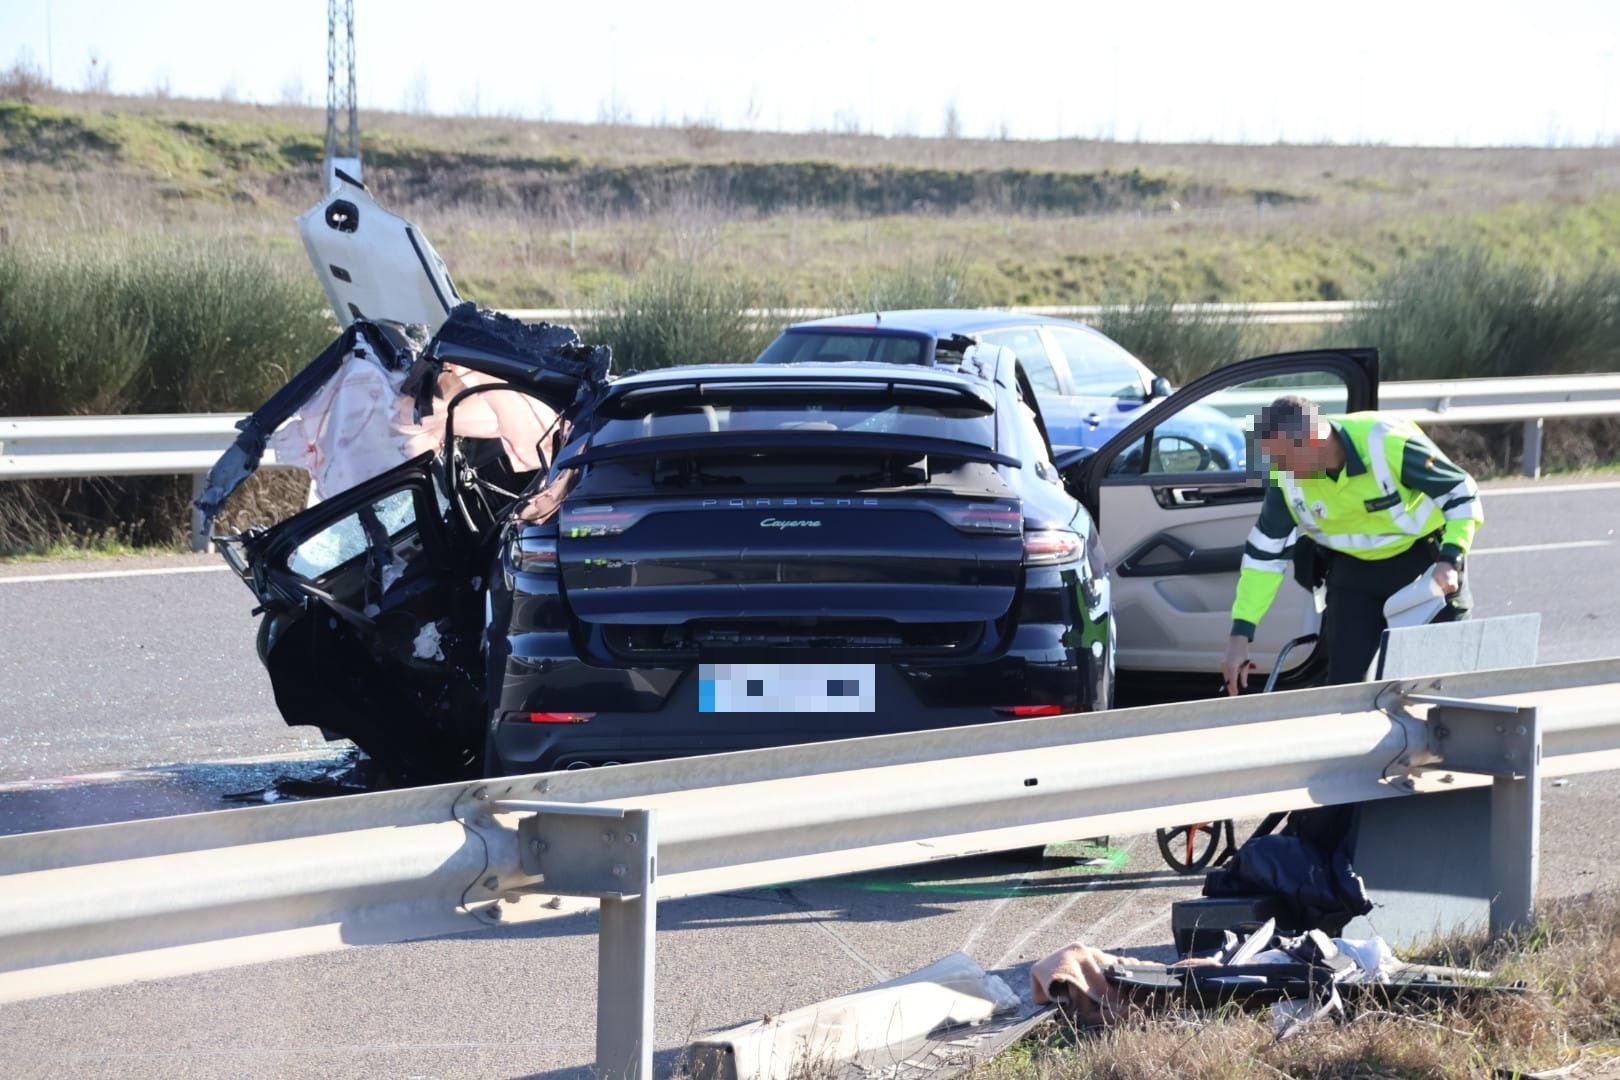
1163 1050
681 314
1496 449
39 517
946 281
269 496
25 82
42 516
1180 345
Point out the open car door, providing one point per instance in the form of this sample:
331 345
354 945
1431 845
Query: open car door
369 628
1174 511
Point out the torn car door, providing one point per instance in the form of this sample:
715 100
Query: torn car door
373 264
370 629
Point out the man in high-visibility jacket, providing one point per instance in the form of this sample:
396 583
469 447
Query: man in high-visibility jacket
1379 500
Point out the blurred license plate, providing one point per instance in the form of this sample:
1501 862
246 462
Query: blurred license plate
725 688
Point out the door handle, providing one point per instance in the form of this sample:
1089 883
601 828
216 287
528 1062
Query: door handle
1167 555
1173 496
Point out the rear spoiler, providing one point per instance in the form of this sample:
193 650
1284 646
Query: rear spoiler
711 443
636 400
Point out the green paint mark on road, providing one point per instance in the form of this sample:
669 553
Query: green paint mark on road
1084 859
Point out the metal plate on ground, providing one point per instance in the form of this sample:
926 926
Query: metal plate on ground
1504 641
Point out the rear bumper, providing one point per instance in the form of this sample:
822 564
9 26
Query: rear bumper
641 714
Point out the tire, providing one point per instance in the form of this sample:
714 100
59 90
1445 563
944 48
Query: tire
1190 848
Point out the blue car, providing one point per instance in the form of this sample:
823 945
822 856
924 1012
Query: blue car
1088 385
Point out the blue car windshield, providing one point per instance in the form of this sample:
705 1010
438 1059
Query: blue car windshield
831 347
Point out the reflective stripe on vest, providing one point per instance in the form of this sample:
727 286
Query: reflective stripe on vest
1376 449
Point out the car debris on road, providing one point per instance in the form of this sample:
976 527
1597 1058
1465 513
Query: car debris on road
1303 978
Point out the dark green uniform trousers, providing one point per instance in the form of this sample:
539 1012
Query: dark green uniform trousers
1353 622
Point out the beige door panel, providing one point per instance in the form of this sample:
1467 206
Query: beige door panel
1181 622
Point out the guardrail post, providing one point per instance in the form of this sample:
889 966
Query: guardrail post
624 968
1530 460
610 854
1505 743
199 526
1516 830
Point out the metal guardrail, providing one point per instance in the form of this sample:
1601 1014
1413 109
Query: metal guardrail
112 904
1532 399
1271 313
81 446
72 447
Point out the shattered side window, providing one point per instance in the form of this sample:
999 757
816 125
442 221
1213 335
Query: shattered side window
345 538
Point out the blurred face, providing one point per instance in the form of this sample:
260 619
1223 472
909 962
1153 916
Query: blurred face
1311 453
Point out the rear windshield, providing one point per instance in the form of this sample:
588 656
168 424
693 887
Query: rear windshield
941 421
816 346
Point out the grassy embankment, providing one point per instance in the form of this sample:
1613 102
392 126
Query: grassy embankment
150 264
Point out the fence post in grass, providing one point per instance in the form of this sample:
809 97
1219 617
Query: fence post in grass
1530 462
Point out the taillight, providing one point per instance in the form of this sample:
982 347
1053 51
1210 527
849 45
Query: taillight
557 717
984 517
1051 547
1022 712
534 554
586 522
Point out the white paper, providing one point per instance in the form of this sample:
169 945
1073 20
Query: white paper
1416 604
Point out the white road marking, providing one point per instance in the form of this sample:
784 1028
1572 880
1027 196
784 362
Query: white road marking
1564 546
93 575
974 935
1088 889
1550 489
1053 916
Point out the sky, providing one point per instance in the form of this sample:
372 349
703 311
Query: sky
1415 72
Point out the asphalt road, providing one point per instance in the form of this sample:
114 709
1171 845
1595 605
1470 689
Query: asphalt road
128 671
119 673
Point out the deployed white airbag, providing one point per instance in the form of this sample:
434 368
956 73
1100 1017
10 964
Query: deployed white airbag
361 424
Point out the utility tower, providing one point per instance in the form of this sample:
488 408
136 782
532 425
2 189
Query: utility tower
342 151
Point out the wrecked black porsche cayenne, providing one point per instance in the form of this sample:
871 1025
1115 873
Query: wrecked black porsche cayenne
519 563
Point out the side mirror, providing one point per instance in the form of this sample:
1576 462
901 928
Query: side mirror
1159 388
1179 454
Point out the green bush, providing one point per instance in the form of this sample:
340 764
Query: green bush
681 314
1458 313
111 328
63 347
944 282
1178 345
114 328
